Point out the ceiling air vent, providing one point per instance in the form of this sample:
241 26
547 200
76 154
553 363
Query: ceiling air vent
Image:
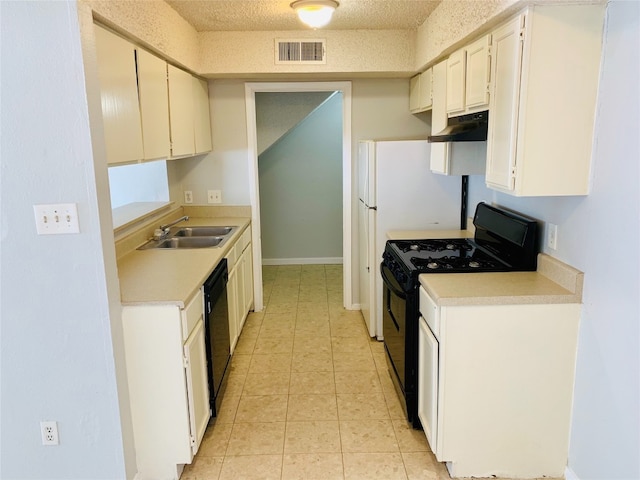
300 51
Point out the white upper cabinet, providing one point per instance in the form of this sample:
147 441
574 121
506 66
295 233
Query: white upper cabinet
477 73
455 82
202 119
503 121
414 94
468 78
181 112
154 104
451 158
545 69
190 124
420 95
119 94
151 110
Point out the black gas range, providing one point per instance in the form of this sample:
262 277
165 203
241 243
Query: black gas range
503 241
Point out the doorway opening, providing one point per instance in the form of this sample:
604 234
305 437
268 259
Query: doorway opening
344 88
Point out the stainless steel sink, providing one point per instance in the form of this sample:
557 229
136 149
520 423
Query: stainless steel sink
191 237
184 242
202 232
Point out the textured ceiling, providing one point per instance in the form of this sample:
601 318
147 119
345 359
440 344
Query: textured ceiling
270 15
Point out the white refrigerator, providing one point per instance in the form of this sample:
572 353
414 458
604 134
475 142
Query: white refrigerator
396 191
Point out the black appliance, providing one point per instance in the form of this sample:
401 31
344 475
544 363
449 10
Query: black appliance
472 127
503 241
218 347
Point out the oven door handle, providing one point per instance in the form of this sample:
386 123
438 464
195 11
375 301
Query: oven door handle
387 281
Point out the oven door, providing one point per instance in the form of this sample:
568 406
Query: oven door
394 311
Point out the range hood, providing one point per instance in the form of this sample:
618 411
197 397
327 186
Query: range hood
465 128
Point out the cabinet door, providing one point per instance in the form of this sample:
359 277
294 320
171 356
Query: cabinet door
181 112
197 384
232 298
202 126
248 279
242 313
439 161
414 93
119 95
425 90
504 103
428 383
455 82
154 105
477 73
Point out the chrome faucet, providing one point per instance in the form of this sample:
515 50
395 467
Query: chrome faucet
163 230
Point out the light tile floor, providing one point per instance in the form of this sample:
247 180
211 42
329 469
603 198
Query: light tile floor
309 396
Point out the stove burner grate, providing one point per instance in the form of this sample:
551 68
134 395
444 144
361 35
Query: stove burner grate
432 245
453 263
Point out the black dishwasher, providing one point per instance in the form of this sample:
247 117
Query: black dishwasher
216 310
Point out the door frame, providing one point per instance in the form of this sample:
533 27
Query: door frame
254 194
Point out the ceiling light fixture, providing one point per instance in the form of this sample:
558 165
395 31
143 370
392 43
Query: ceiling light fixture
315 13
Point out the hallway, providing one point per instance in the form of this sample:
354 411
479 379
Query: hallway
309 395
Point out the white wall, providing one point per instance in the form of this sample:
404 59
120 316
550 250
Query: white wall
58 293
386 52
139 182
300 179
600 235
277 113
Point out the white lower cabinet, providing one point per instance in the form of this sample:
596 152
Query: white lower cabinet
167 377
495 386
232 300
240 285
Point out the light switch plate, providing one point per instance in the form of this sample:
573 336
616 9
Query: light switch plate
55 219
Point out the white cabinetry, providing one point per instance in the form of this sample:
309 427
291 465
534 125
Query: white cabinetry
455 82
189 114
154 104
168 387
448 158
545 66
468 78
119 95
240 285
202 128
181 112
495 386
151 110
420 97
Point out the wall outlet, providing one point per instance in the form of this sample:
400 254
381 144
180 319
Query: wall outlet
214 196
188 196
552 236
56 219
49 432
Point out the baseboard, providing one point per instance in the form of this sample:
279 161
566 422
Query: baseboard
303 261
570 474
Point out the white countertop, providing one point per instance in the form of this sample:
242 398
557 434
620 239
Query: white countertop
554 282
173 276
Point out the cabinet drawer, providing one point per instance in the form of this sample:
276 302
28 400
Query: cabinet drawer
191 314
430 312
